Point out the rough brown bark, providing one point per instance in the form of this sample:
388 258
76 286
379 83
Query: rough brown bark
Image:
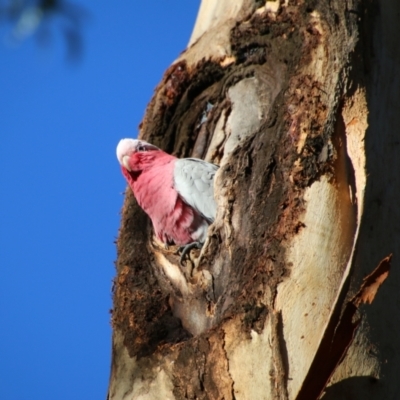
296 102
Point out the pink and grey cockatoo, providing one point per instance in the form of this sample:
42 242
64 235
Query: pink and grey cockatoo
177 194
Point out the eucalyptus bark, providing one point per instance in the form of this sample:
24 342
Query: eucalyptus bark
296 101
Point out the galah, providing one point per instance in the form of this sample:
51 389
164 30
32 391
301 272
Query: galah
177 194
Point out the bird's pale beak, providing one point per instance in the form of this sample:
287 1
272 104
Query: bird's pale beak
125 163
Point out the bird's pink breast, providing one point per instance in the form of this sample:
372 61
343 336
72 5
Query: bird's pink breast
173 220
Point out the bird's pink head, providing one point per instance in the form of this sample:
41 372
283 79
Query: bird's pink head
134 154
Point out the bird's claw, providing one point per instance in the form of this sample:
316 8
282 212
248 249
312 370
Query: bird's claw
186 249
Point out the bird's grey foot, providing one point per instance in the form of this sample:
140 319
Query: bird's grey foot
186 249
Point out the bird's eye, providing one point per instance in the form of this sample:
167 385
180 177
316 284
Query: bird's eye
141 148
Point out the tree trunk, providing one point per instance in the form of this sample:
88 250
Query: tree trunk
297 102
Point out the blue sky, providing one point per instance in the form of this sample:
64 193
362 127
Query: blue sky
61 189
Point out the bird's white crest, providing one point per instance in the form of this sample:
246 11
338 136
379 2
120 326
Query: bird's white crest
125 147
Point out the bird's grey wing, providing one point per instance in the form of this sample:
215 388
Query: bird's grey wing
194 181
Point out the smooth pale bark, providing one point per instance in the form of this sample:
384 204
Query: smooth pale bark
297 103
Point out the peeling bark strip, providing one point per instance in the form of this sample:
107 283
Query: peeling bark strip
294 100
340 335
372 283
